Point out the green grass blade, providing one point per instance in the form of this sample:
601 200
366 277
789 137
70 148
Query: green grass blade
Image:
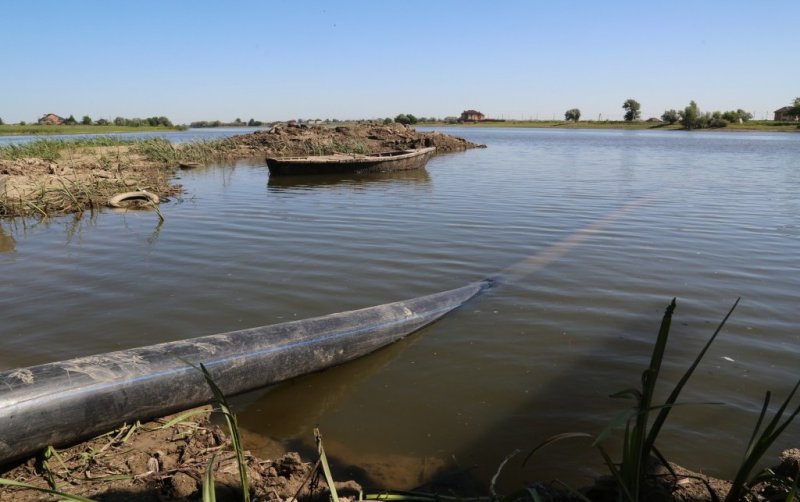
182 417
553 439
628 394
616 474
326 469
622 417
233 427
209 493
493 483
761 445
65 496
658 423
751 443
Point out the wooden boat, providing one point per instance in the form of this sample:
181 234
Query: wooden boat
398 160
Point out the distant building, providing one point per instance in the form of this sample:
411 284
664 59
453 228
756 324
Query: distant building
471 116
785 115
51 118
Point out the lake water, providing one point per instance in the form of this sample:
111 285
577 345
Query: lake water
595 232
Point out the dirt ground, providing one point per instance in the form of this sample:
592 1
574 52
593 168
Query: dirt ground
167 459
160 461
85 178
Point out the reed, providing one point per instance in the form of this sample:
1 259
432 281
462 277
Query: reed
50 149
233 427
639 450
330 146
202 151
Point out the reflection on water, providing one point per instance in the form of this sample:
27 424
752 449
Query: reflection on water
415 176
7 242
307 399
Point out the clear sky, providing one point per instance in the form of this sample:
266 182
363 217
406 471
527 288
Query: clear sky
271 60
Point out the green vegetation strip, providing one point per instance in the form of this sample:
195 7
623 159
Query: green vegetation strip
35 129
50 149
752 125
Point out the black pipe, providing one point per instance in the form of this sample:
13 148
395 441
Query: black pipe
64 402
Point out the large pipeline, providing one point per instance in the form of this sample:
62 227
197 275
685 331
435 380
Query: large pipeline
64 402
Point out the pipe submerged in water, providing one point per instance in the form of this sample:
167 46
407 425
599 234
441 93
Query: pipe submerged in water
64 402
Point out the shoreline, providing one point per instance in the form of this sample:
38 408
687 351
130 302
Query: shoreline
751 126
169 458
48 178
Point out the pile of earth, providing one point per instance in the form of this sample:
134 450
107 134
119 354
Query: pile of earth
294 140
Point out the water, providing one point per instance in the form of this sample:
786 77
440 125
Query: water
708 217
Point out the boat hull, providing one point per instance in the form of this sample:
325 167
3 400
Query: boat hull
360 164
64 402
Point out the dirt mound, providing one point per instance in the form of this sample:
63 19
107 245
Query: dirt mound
293 140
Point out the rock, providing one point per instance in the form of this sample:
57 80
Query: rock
137 462
790 463
183 486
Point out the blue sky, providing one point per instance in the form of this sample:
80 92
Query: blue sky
207 60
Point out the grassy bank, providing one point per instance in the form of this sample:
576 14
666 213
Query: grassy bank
753 125
36 129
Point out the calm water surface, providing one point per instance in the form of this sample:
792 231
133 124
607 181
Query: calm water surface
716 216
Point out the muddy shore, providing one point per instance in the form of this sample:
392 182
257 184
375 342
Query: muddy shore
78 177
167 459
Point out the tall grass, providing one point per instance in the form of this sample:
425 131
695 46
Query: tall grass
329 146
50 149
644 420
203 151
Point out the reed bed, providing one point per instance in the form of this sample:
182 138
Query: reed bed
51 149
330 146
202 151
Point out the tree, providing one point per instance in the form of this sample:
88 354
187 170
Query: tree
402 119
101 122
795 111
689 116
70 120
670 116
86 120
632 110
717 120
737 116
573 114
387 121
1 121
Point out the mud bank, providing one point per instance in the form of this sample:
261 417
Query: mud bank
167 459
80 177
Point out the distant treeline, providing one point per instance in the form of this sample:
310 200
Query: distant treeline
136 122
218 123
